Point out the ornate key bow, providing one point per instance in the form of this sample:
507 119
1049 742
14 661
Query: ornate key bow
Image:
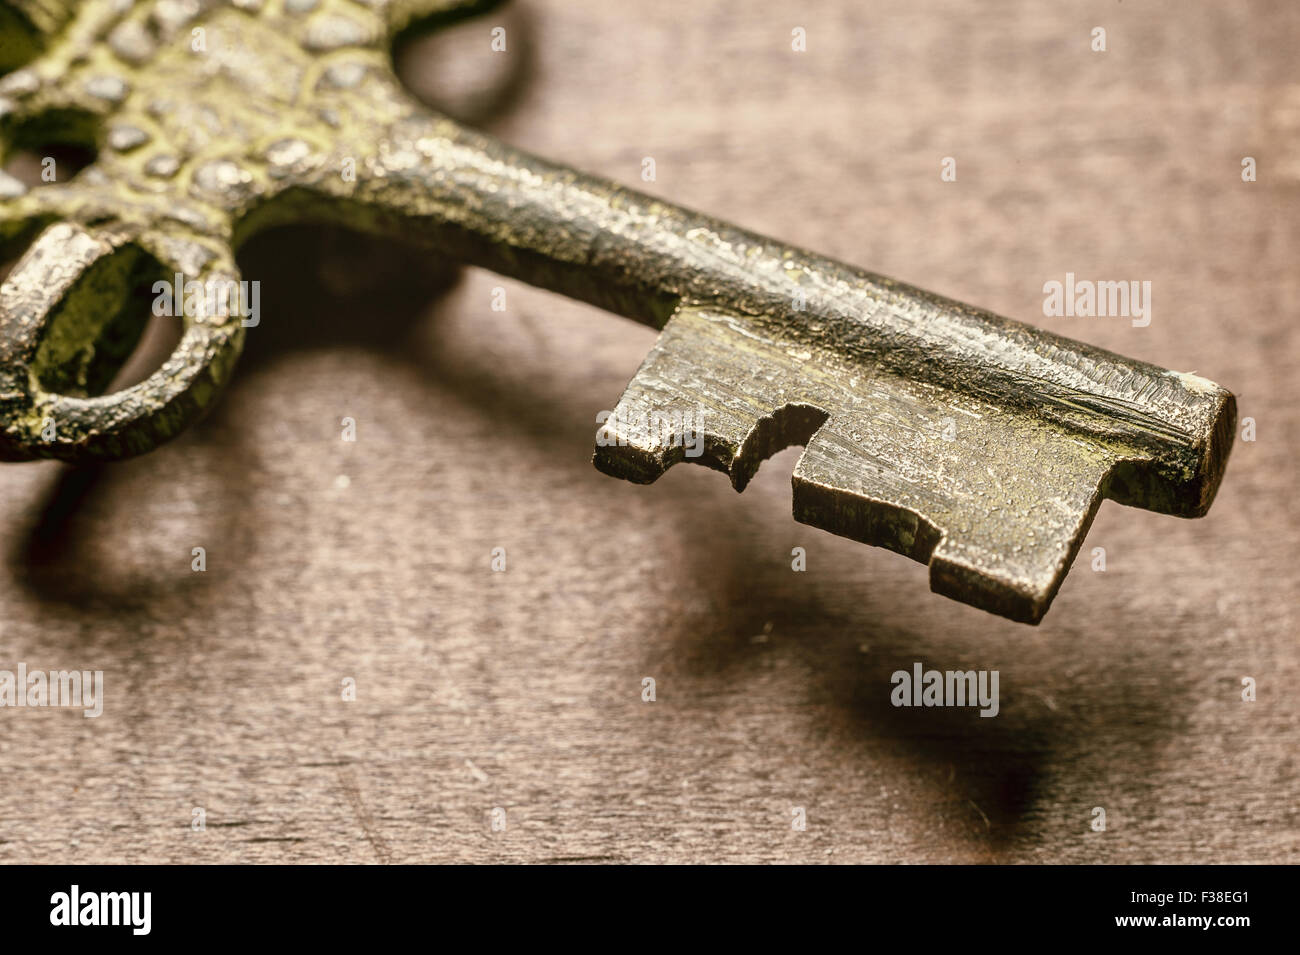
966 441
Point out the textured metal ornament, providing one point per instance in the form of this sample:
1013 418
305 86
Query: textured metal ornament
975 444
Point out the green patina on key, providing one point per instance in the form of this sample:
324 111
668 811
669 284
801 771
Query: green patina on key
975 444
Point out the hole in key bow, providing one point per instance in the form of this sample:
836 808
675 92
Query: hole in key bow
88 343
50 147
475 70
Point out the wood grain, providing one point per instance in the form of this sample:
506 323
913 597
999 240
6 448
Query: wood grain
522 689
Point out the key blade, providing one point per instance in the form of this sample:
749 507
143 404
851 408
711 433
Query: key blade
990 480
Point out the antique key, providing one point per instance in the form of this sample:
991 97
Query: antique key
975 444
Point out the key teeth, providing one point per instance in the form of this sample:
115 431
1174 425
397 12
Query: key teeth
638 465
864 519
632 454
911 533
628 454
628 449
853 515
959 581
1006 562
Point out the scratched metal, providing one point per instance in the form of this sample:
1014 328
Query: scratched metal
963 440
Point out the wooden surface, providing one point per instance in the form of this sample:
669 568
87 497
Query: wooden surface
522 689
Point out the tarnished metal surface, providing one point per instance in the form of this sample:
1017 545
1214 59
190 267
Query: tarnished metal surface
972 443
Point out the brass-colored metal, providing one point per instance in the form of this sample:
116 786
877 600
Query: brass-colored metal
970 442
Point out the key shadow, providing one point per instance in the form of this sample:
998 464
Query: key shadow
452 70
988 776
